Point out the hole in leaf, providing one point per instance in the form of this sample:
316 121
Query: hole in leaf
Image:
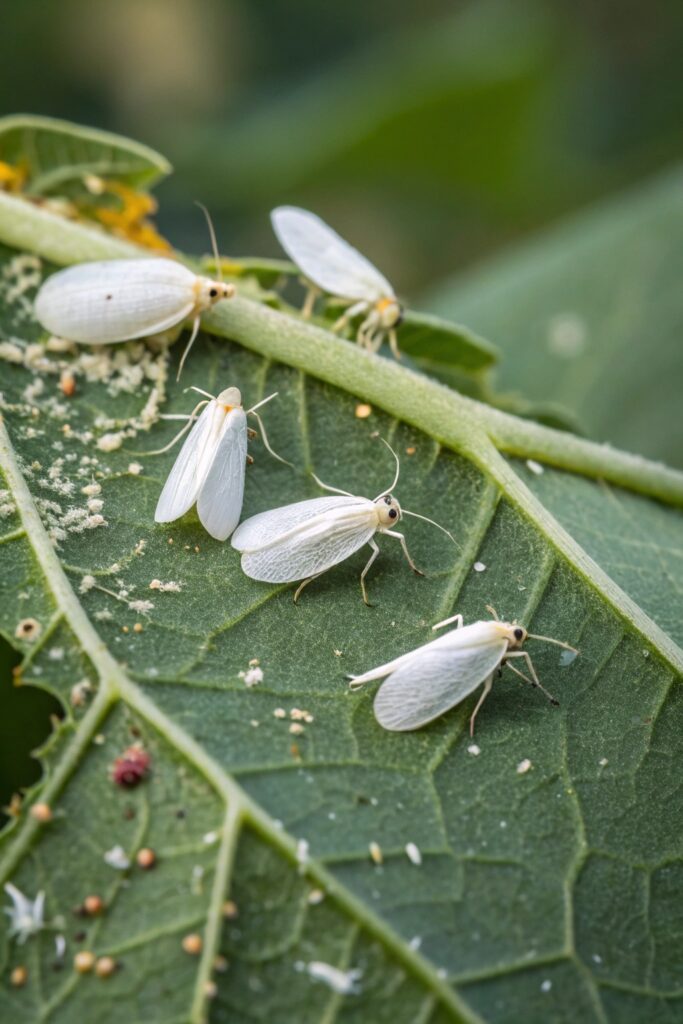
24 725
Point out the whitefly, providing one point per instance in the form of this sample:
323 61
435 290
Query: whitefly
210 468
333 266
303 540
427 682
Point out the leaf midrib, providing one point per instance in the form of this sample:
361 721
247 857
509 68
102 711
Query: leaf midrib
115 685
461 423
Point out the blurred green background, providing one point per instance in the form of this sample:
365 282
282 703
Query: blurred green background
432 135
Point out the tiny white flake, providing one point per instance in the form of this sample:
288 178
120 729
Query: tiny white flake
376 852
210 838
474 750
140 606
55 653
479 567
341 982
302 853
60 946
196 884
535 467
603 761
91 490
110 442
413 853
415 942
315 897
567 335
135 468
597 958
26 915
252 677
166 588
524 766
546 985
566 658
116 858
279 713
503 824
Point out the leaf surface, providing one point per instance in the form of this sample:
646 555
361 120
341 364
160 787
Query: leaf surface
589 316
542 894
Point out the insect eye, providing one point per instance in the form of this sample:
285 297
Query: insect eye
392 513
519 634
213 294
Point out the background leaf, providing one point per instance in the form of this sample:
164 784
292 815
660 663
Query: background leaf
58 156
507 917
589 316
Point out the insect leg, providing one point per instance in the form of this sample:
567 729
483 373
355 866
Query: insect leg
195 332
373 556
393 343
532 673
266 443
354 310
447 622
401 538
367 330
488 683
312 293
190 421
303 584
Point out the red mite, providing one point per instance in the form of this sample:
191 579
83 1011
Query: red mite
131 768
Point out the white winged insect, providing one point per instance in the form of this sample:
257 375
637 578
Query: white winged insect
118 300
425 683
210 467
334 266
304 540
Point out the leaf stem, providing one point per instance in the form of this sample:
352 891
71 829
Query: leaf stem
454 420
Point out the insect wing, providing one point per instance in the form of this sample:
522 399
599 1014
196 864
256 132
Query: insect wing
219 504
185 479
428 686
325 258
116 300
316 544
274 525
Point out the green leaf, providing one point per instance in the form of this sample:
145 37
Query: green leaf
589 316
542 895
58 156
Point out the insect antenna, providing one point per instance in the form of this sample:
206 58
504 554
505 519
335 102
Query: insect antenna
212 236
551 640
195 332
264 436
398 469
332 490
490 608
416 515
535 683
200 391
192 417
